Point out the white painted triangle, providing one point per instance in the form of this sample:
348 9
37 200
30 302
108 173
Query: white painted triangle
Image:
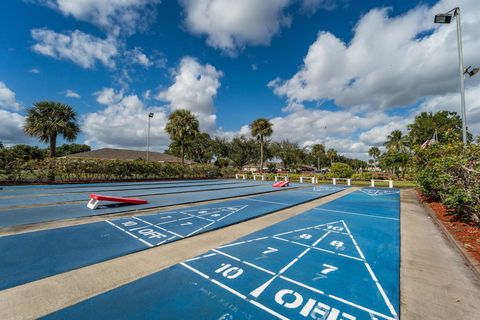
378 192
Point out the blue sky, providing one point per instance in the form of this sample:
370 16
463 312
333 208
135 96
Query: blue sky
343 73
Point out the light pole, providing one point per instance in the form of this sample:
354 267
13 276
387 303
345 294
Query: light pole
150 116
447 18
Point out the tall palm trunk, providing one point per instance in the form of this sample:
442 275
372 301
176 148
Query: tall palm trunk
261 154
53 153
53 145
182 153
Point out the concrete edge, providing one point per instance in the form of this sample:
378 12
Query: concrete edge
469 260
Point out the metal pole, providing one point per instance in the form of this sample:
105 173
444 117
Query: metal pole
462 75
148 136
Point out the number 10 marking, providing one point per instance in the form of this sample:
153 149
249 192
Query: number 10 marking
228 271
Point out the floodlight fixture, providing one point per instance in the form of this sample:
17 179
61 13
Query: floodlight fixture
471 71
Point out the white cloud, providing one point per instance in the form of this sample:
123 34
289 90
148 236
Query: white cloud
123 123
451 102
114 16
71 94
78 47
7 98
311 6
34 70
231 25
194 88
136 56
378 135
11 130
390 61
335 129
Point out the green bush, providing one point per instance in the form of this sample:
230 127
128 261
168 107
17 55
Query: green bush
450 173
362 176
74 170
341 170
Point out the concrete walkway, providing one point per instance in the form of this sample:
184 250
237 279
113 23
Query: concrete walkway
435 281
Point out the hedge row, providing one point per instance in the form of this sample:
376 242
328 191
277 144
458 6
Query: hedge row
73 170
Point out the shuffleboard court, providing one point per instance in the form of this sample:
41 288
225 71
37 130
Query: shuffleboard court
35 255
95 184
39 192
323 264
24 216
12 202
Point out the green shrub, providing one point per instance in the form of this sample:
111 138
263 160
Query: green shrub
450 173
341 170
362 176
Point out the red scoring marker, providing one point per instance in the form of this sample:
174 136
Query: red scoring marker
96 198
280 184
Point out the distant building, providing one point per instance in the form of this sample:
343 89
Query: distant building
124 154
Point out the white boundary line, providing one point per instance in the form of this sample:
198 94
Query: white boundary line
379 286
265 285
238 294
357 214
130 234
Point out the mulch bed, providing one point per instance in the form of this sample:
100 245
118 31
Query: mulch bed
468 235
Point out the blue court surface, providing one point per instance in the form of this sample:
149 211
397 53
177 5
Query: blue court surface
324 264
35 255
22 216
10 202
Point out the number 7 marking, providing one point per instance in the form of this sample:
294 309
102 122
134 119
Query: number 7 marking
270 250
328 269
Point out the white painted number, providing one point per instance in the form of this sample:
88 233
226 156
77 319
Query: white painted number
270 250
335 228
129 223
186 224
150 233
228 271
328 269
337 244
312 309
305 236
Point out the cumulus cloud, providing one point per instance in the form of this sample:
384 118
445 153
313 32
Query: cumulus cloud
390 61
335 129
194 88
81 48
114 16
11 128
71 94
451 102
123 123
231 25
377 135
7 98
34 70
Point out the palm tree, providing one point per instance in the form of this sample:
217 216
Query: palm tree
396 142
374 152
318 150
47 119
182 126
331 154
260 129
